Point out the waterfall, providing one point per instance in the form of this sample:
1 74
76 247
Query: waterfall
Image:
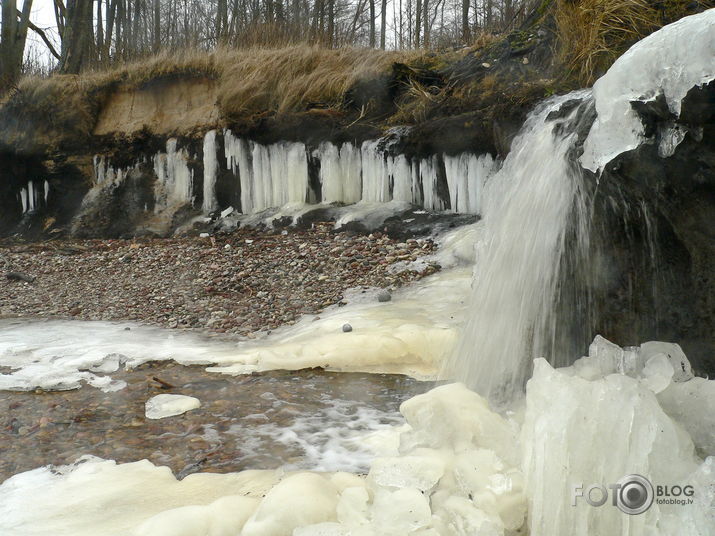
528 208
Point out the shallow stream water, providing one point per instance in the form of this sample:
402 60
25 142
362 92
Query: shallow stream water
308 419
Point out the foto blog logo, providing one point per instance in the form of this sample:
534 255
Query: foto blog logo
632 494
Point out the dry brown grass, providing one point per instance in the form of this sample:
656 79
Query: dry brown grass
483 40
417 101
249 81
292 78
593 33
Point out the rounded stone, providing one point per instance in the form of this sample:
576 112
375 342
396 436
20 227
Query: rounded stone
384 296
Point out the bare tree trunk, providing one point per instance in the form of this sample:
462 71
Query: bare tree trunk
400 35
9 71
111 14
157 25
100 32
21 36
372 23
136 17
383 23
418 22
426 21
331 23
119 24
77 38
466 33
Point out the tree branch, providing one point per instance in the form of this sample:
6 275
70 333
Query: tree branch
43 35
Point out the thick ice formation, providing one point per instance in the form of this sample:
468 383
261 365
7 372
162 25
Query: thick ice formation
173 187
349 174
270 176
61 354
96 497
174 184
668 62
591 424
455 483
460 470
289 177
165 405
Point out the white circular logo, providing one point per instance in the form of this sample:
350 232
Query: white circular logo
635 494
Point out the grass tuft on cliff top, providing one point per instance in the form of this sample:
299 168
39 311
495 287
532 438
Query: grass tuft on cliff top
249 81
594 33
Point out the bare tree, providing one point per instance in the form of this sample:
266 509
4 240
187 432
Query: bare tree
466 31
383 23
13 36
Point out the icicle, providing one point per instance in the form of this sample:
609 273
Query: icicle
428 175
23 200
174 183
31 196
466 177
210 202
375 175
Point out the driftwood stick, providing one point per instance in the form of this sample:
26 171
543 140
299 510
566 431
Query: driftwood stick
19 276
164 385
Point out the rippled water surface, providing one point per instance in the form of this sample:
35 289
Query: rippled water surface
309 419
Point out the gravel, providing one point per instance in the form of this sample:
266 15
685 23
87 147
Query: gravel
239 283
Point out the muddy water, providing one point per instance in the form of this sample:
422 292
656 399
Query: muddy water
308 419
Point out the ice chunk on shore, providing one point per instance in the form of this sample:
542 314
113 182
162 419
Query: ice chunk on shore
462 470
670 62
95 496
682 371
301 499
162 406
692 405
579 432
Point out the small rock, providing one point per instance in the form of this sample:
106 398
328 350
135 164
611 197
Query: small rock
347 328
384 296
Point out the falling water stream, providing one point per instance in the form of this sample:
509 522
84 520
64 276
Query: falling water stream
527 208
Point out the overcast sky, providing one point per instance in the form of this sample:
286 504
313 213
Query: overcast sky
43 16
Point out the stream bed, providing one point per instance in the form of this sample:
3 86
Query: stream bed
307 419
